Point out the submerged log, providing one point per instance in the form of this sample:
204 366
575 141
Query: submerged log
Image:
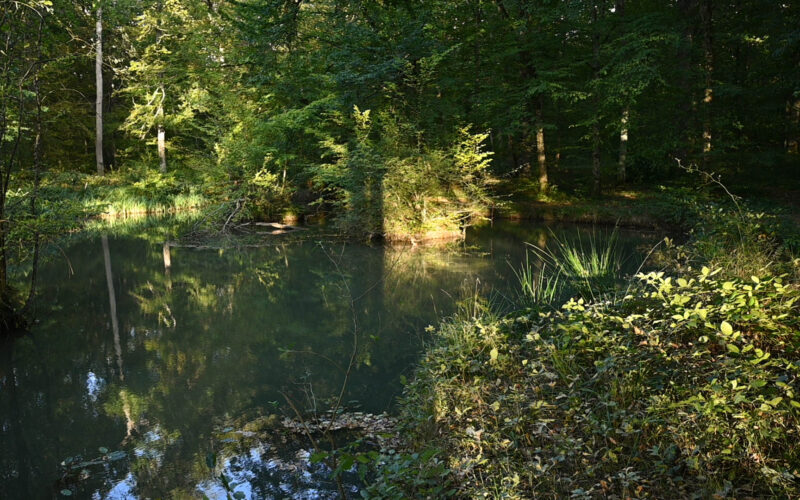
279 226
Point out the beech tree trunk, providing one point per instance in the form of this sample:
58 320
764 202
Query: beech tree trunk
623 146
708 67
540 151
162 148
98 105
162 143
595 125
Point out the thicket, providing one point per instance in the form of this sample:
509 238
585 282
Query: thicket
683 383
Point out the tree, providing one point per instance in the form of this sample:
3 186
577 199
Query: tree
20 28
98 106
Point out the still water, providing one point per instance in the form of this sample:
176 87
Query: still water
149 356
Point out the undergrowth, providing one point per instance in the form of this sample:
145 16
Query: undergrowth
685 386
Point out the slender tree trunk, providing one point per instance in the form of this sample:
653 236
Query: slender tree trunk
596 159
684 56
623 146
98 105
595 125
162 147
4 292
37 165
557 159
623 130
793 138
708 68
540 151
6 308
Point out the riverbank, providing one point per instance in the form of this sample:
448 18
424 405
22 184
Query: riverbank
682 384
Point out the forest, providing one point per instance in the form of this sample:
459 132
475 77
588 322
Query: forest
405 122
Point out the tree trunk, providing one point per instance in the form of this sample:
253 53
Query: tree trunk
623 130
595 159
793 139
595 125
684 56
98 105
623 146
708 67
162 147
540 151
37 166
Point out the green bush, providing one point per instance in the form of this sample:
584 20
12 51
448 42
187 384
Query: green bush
687 387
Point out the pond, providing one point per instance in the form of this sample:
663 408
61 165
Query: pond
149 356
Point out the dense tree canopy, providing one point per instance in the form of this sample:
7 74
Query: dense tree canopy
386 112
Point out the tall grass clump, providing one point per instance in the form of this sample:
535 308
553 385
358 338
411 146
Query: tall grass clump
591 267
539 286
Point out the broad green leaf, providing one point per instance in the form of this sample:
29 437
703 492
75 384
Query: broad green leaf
775 401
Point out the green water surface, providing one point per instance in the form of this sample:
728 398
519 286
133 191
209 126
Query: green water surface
136 371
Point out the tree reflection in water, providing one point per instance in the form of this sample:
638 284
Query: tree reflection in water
155 349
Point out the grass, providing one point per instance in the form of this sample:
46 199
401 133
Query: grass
154 193
686 387
538 286
590 267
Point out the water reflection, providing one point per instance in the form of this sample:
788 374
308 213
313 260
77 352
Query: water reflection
151 348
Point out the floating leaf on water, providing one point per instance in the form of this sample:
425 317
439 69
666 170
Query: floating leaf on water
103 450
117 455
66 492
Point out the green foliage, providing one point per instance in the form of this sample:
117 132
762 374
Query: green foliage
388 187
410 475
591 268
132 193
685 387
437 192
